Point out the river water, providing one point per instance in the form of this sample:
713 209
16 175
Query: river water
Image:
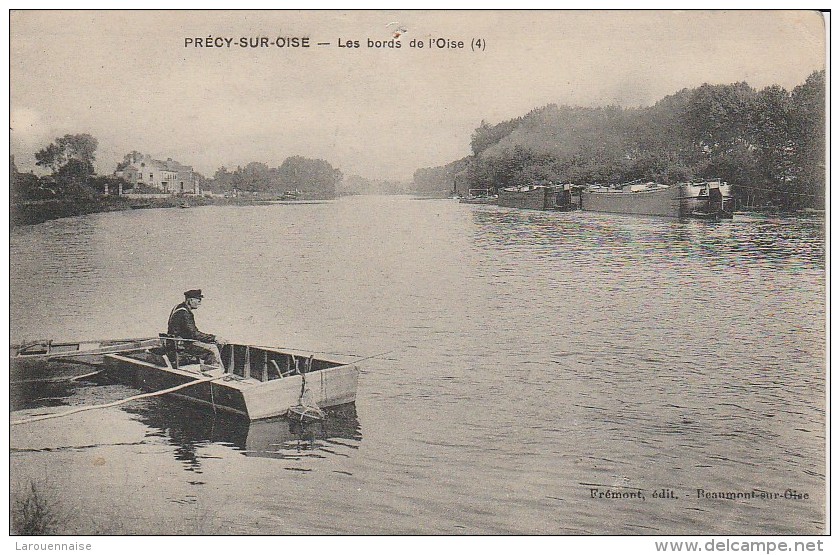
537 365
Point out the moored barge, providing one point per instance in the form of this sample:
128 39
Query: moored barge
710 200
538 197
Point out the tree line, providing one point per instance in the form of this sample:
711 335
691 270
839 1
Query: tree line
72 175
70 160
769 144
314 177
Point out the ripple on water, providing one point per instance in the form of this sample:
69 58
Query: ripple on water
536 356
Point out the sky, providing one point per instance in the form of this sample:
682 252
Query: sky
133 79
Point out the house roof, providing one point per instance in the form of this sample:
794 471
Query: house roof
160 165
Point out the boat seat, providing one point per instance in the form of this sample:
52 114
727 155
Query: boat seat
176 352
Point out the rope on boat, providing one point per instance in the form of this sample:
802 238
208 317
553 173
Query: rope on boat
212 398
307 407
303 412
116 403
54 380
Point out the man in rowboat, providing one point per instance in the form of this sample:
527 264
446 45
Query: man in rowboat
182 325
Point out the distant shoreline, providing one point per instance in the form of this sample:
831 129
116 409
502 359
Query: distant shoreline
34 212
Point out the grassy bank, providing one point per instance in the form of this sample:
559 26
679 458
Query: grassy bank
32 212
39 211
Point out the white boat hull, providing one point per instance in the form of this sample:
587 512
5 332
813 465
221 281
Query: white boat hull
245 395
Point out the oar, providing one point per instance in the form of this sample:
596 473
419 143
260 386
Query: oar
120 402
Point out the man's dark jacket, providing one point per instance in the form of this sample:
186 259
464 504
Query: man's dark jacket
182 324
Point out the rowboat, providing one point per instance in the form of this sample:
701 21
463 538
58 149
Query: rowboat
251 381
479 196
479 200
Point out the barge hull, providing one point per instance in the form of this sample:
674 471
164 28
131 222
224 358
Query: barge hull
661 202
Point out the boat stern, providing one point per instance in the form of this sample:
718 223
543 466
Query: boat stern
325 388
706 200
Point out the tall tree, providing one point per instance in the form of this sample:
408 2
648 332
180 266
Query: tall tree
772 144
256 176
221 181
79 147
808 133
310 175
50 157
718 115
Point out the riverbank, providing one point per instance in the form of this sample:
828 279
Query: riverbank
40 211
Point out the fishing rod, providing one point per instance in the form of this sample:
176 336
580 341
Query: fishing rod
287 348
372 356
62 342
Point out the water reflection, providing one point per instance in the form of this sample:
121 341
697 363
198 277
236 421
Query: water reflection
749 238
283 438
37 385
188 429
43 385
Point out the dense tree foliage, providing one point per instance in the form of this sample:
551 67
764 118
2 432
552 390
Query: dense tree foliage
314 177
26 186
67 148
304 174
71 159
769 143
808 127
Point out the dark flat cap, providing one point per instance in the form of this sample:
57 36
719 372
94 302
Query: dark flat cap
193 294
